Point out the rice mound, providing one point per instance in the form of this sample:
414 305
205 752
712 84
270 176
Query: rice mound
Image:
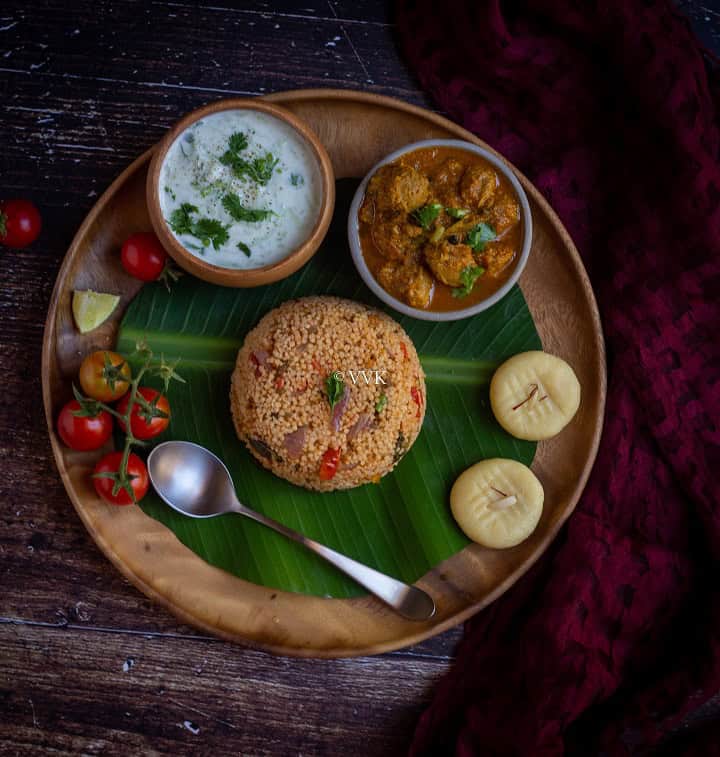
280 404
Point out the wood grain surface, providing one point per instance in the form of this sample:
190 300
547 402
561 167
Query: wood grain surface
84 92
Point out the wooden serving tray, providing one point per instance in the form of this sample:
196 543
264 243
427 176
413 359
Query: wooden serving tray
358 130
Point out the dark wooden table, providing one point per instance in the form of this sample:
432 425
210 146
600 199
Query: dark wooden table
87 663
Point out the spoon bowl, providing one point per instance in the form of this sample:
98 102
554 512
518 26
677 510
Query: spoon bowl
191 479
196 483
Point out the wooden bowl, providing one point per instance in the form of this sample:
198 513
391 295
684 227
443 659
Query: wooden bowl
234 277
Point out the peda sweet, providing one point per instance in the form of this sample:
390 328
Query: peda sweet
497 503
534 395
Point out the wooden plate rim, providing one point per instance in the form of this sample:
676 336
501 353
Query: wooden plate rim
410 638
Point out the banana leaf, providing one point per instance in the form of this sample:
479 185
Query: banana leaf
402 525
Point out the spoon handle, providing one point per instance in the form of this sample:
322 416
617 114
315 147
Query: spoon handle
411 602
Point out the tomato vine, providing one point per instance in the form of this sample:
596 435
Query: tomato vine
121 478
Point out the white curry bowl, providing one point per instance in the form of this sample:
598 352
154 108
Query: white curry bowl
450 315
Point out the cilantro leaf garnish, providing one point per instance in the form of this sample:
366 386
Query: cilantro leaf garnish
236 144
468 276
180 221
259 169
238 141
231 203
425 215
457 212
207 230
297 180
210 230
480 235
334 388
262 168
244 248
232 159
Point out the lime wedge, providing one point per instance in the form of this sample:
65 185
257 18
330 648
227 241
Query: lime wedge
90 309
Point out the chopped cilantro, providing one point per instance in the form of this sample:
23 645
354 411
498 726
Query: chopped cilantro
244 248
262 168
480 235
297 180
425 215
180 221
170 192
468 277
210 230
259 169
236 144
381 403
207 230
457 212
231 203
238 141
334 388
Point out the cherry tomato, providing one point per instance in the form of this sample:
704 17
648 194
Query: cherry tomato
329 464
105 376
143 256
20 223
141 426
137 473
83 432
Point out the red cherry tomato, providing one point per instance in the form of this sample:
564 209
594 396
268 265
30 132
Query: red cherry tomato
141 426
20 223
143 256
329 464
137 473
83 432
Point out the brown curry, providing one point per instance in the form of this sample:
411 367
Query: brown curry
440 228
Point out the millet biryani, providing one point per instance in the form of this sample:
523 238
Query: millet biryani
328 393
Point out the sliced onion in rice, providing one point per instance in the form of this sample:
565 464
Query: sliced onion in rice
260 356
295 441
339 409
363 422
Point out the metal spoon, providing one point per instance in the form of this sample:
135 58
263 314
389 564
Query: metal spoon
195 482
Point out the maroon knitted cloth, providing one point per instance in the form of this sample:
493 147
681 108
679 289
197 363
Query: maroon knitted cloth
612 112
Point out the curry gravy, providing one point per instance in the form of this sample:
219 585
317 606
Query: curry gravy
447 173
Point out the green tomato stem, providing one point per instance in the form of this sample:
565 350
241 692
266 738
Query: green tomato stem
123 480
